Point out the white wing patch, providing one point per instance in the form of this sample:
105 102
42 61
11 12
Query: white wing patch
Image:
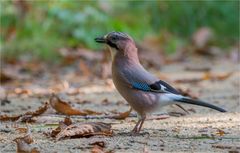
168 97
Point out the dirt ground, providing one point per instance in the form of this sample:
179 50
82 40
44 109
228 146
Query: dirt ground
194 132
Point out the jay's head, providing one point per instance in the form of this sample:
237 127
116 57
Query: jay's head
116 41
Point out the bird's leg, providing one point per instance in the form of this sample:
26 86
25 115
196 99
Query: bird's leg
142 121
135 129
139 124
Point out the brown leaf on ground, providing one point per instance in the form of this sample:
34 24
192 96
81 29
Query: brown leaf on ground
64 108
39 111
26 116
85 130
233 151
5 77
220 77
27 138
99 143
21 91
220 132
62 125
206 76
23 144
223 146
124 115
6 117
22 130
97 149
91 112
67 121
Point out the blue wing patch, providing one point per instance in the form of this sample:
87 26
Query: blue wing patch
141 86
159 86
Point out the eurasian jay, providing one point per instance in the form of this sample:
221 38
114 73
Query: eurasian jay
143 91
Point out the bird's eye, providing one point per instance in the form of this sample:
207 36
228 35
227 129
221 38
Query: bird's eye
114 38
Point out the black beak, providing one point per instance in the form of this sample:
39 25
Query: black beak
100 40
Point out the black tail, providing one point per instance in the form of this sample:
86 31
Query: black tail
200 103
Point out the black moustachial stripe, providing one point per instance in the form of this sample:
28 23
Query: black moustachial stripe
112 45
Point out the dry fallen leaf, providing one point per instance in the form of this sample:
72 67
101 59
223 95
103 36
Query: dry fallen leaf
97 149
39 111
220 132
212 76
28 137
22 129
26 116
23 144
223 146
91 112
63 107
85 130
21 91
62 125
9 118
123 115
67 121
99 143
206 76
5 77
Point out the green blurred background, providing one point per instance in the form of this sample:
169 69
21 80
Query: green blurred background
40 28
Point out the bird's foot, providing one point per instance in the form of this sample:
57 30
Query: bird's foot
135 133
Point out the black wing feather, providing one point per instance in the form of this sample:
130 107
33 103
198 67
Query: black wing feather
158 86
